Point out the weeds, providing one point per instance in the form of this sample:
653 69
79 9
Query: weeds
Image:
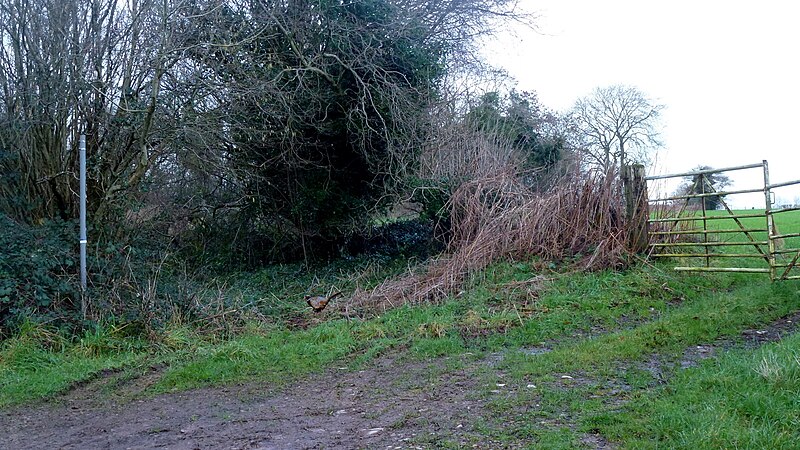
769 368
499 218
779 369
40 362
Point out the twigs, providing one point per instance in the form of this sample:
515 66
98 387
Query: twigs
498 218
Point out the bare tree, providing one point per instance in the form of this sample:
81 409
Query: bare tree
322 107
302 115
83 66
616 125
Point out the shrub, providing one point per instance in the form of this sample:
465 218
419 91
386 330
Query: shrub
37 270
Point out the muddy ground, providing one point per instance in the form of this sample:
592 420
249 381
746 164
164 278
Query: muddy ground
394 402
390 404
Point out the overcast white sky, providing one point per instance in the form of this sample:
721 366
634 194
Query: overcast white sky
727 71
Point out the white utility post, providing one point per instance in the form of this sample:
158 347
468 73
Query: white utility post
83 240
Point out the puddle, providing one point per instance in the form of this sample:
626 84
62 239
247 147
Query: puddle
533 351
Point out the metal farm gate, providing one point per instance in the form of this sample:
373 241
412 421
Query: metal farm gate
683 227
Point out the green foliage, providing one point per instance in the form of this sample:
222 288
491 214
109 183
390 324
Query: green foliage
347 90
37 268
433 196
39 362
521 121
39 279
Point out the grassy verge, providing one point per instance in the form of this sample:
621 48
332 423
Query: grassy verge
502 308
39 363
744 399
565 388
508 306
711 315
610 386
582 340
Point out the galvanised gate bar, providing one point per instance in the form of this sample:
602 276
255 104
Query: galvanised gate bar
677 229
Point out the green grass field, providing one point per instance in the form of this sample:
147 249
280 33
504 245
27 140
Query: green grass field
728 243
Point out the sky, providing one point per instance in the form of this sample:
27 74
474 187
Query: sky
728 73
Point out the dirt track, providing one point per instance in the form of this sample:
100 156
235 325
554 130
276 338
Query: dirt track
393 403
388 405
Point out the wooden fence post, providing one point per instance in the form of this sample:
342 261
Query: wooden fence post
636 207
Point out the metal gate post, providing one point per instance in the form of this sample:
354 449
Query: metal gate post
770 221
703 182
